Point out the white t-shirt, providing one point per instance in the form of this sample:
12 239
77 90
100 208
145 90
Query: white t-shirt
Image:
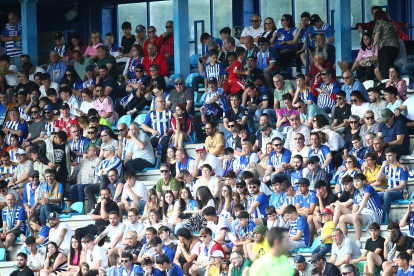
171 212
97 254
223 223
11 79
211 186
409 102
139 189
54 235
360 110
213 161
36 262
53 84
304 152
252 32
85 106
114 231
210 203
193 251
38 69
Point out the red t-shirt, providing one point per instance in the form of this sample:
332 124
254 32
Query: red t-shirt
238 65
313 71
65 125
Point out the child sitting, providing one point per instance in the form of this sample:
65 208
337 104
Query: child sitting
273 219
326 233
298 230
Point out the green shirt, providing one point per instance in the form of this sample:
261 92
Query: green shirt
98 142
105 122
80 68
313 110
239 272
278 94
111 60
172 185
269 265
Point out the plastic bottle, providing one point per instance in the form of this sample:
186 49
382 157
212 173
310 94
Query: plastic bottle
396 218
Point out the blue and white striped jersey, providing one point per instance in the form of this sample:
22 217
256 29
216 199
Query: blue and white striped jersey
125 144
79 146
276 159
374 202
159 121
395 175
49 127
87 83
114 163
324 27
222 101
299 224
11 170
308 200
19 124
322 153
245 160
13 156
217 71
296 175
259 212
23 115
13 48
328 100
342 175
61 51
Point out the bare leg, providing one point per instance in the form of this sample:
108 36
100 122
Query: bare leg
343 223
44 272
121 206
378 74
303 58
9 240
317 221
249 248
311 229
112 254
339 211
358 221
372 259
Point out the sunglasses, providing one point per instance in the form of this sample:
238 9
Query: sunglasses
91 132
283 19
122 129
354 101
232 125
369 118
152 70
348 161
100 90
339 98
124 261
167 27
47 112
311 163
297 108
34 112
345 273
347 78
277 145
138 71
293 119
163 171
260 44
150 32
178 83
324 74
68 75
268 23
254 20
239 187
353 122
298 138
35 176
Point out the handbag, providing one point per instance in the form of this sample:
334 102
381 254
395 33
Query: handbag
184 216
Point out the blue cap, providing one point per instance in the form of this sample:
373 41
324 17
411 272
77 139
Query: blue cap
89 68
299 259
48 107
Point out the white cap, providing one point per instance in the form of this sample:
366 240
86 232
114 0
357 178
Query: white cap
217 253
21 151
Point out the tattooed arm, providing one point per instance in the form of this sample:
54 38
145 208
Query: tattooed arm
61 237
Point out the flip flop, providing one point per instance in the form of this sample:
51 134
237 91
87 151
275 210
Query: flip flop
344 66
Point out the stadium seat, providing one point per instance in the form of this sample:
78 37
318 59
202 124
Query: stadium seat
172 80
78 207
189 79
406 201
199 103
156 167
124 119
2 255
368 84
194 60
193 135
140 119
315 244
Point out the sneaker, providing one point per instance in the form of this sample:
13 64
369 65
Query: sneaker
411 174
319 231
359 244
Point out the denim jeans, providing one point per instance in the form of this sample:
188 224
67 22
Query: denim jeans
250 120
46 209
78 193
323 250
388 197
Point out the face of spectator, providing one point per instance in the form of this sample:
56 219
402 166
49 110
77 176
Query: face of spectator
354 123
348 78
179 86
38 81
242 134
153 72
284 22
134 129
103 73
326 77
213 87
209 129
21 99
21 262
315 141
349 164
249 42
74 132
151 32
357 143
278 82
205 172
234 101
264 119
393 74
254 189
54 57
109 40
160 103
300 266
369 140
269 149
77 57
113 219
169 28
202 154
391 157
50 177
299 140
14 115
356 101
251 63
373 12
373 97
266 132
300 82
378 146
348 185
64 95
24 59
101 53
258 237
92 133
4 99
165 172
236 260
231 59
262 46
10 200
59 42
107 154
337 237
320 60
75 42
246 150
13 19
297 164
320 41
251 92
358 183
151 49
256 22
65 112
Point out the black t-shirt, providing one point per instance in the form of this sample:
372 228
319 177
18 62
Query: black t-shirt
236 117
25 88
406 246
111 82
25 272
127 44
342 113
345 196
329 199
109 207
381 159
255 74
56 106
59 155
172 245
151 82
134 250
371 245
250 137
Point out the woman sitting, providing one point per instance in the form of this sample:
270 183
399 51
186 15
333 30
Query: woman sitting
359 103
247 157
370 169
137 55
354 129
73 81
226 201
168 204
320 123
184 203
351 168
397 82
153 202
75 43
212 182
365 62
55 261
87 103
181 126
76 257
171 162
242 195
333 140
269 29
370 126
95 40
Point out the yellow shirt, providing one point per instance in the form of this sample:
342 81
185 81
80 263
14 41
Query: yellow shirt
213 143
214 271
327 229
371 177
261 248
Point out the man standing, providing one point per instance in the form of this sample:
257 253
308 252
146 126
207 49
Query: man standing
255 31
165 44
123 141
325 90
57 67
274 260
139 154
351 84
215 142
341 113
55 152
181 95
80 64
12 36
31 194
14 219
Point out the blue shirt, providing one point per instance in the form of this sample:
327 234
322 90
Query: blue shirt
296 175
343 174
44 232
390 133
114 163
88 83
356 85
167 251
324 27
306 201
79 146
328 100
245 160
159 121
30 195
57 71
374 202
284 35
11 217
248 230
276 159
259 212
360 154
217 71
44 192
322 153
20 124
410 222
300 224
13 48
3 110
395 175
410 271
277 200
289 201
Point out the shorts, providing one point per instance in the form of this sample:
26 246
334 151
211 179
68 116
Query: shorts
271 73
264 221
360 266
16 233
368 217
233 87
229 245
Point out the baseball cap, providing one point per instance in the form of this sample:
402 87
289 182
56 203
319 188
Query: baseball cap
218 253
316 257
326 211
314 159
108 147
261 229
53 215
146 260
48 107
314 18
304 181
89 68
59 35
241 183
139 28
179 79
140 66
21 151
264 126
386 114
299 259
45 76
64 105
33 172
262 40
212 80
200 147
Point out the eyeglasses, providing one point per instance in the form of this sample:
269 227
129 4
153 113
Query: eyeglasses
138 71
260 44
239 187
297 108
35 176
232 125
369 118
112 175
34 112
104 135
150 32
163 171
298 138
100 90
353 122
277 145
347 78
152 70
254 21
91 132
314 120
167 27
251 60
268 23
339 98
46 112
178 83
122 129
283 19
348 161
94 37
354 101
68 75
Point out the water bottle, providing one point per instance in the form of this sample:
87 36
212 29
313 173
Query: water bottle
405 194
396 218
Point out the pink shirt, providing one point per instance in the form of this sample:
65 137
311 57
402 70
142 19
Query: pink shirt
282 111
107 105
363 54
91 50
402 88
